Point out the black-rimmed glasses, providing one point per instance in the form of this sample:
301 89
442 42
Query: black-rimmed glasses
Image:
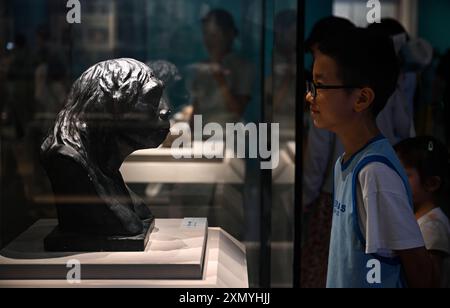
311 87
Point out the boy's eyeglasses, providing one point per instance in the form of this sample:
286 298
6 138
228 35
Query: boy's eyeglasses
311 87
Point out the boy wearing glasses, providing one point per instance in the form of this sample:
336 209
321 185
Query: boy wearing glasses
375 239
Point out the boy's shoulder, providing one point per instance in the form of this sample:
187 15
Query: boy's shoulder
379 154
377 177
379 146
376 150
374 168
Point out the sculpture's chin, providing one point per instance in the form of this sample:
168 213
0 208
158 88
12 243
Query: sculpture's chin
161 136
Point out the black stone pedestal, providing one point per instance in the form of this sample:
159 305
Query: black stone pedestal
58 241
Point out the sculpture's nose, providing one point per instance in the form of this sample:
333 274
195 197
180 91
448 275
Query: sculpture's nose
164 114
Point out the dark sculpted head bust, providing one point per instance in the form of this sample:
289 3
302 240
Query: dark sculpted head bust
113 109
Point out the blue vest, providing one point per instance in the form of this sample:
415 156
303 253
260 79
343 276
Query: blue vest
348 265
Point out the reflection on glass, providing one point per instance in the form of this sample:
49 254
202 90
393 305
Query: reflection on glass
222 84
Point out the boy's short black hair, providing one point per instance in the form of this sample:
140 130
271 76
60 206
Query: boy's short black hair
325 28
367 60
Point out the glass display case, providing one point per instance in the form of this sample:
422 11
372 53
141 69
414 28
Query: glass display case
223 63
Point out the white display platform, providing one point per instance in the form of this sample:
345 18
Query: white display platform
224 261
160 166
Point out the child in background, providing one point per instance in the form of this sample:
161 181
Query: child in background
426 162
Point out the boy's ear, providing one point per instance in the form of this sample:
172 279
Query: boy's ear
366 97
432 184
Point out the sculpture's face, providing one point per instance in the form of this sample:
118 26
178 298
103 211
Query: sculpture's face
147 125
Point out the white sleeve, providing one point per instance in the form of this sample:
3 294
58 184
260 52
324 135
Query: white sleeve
386 217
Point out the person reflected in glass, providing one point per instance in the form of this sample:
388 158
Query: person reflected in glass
222 84
281 85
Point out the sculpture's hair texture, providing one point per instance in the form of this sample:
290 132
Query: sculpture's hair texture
86 134
104 92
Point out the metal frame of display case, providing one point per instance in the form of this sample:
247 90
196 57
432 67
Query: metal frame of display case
266 175
298 204
265 190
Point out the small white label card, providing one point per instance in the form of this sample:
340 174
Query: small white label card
194 223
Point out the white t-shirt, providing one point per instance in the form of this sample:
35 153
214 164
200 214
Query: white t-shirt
386 218
435 229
